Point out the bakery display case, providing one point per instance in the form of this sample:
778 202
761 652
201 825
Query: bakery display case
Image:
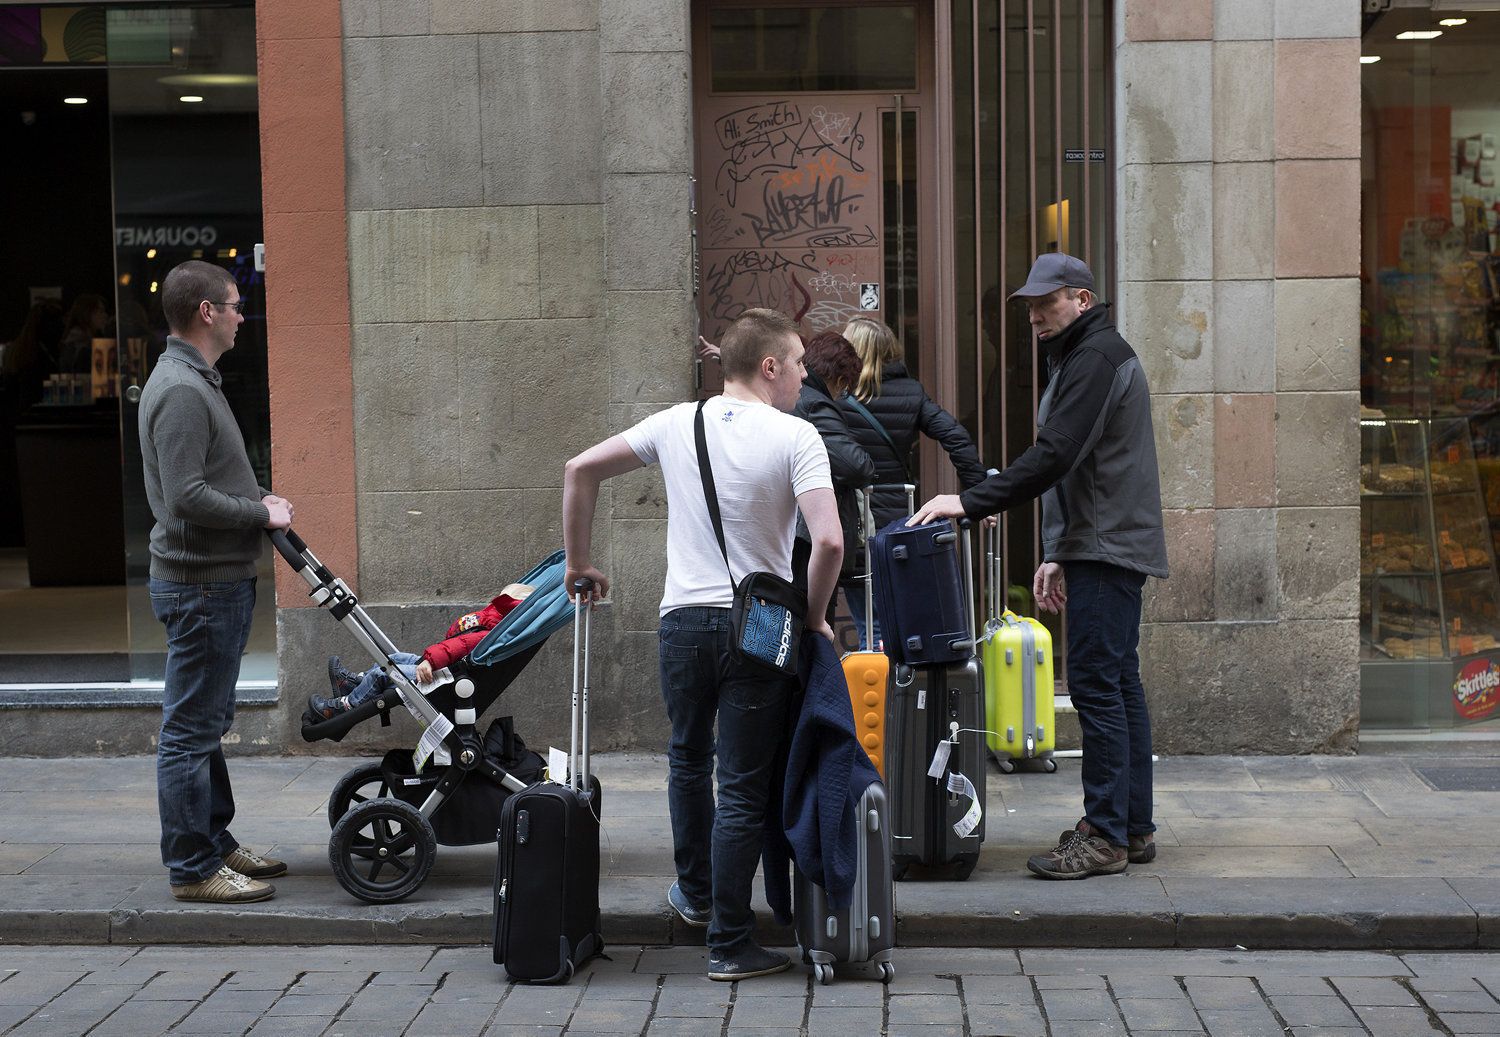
1429 596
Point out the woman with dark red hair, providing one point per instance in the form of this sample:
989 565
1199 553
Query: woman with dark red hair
832 367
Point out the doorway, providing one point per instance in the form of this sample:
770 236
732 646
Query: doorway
814 134
135 147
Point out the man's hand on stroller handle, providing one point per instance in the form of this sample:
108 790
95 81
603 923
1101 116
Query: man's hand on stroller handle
279 511
599 588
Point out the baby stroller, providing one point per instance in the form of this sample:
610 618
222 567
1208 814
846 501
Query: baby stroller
388 817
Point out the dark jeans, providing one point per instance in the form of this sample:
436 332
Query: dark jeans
717 851
854 593
1104 680
374 682
207 627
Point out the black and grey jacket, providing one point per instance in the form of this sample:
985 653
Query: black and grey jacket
906 412
1094 460
848 463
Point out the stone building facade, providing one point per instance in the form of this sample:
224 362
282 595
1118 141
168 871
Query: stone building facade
478 234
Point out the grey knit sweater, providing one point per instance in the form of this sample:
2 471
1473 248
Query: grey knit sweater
199 482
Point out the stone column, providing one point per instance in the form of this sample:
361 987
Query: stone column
1239 199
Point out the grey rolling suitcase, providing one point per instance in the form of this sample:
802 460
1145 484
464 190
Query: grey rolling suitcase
938 820
864 933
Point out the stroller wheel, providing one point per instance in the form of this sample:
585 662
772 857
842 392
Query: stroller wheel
365 782
382 850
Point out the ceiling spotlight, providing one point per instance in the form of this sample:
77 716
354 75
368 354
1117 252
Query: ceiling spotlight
75 100
190 98
1419 34
1368 59
1452 22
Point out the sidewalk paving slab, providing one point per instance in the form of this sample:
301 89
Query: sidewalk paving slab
1260 852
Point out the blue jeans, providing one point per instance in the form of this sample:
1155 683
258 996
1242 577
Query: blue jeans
207 627
854 593
717 851
374 681
1104 680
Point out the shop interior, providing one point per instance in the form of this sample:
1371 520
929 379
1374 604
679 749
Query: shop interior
135 146
1430 370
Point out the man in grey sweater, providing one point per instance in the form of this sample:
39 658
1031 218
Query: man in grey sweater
204 547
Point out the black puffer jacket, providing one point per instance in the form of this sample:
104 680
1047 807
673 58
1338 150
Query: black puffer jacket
906 412
848 463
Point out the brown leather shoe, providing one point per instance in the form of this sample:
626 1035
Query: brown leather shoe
1079 856
1142 847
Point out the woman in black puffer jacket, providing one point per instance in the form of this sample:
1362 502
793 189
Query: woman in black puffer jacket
887 413
832 366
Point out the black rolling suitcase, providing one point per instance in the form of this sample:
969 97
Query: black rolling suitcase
547 880
923 616
935 763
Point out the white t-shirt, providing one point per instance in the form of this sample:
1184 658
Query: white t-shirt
762 460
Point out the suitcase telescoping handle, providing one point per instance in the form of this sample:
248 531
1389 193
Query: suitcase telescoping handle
867 520
578 731
965 526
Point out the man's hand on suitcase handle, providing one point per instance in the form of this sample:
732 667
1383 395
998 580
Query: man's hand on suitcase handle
596 584
943 506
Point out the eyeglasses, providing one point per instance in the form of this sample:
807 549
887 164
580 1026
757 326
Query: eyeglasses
238 306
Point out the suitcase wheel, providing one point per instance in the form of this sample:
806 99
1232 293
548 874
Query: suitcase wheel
824 973
1049 765
381 850
887 972
966 868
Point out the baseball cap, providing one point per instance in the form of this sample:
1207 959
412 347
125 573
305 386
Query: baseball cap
1052 271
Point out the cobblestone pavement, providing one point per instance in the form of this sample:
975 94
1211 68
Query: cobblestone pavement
409 990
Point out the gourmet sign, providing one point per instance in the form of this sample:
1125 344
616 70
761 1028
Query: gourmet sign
1476 689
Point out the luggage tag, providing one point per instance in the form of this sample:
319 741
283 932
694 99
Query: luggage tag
940 760
557 765
960 785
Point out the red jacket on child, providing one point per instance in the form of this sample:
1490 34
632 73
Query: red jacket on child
468 630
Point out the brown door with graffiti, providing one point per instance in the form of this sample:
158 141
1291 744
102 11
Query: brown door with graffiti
811 123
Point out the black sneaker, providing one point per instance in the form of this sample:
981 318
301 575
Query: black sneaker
340 680
326 709
747 963
694 916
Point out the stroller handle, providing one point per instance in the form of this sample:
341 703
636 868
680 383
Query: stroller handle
290 546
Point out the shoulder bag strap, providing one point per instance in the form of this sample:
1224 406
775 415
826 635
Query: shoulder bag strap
854 402
710 495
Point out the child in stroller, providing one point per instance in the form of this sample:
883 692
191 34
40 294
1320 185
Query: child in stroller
389 815
355 689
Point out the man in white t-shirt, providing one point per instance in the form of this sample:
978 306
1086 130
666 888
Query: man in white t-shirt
766 465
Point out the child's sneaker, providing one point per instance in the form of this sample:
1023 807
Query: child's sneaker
226 886
340 680
327 709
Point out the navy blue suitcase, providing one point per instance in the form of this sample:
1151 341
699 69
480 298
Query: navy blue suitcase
919 588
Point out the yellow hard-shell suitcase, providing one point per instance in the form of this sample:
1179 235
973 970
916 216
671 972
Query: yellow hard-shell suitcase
1020 698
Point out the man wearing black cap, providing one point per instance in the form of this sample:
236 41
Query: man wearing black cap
1094 466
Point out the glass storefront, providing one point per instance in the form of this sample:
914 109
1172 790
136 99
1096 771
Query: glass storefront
1430 370
135 146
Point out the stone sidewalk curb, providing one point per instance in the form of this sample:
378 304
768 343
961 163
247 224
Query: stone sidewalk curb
1268 914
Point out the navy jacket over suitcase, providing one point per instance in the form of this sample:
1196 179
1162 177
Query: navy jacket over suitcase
920 592
547 879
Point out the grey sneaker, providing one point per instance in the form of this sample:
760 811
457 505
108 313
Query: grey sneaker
697 917
752 961
226 886
1078 856
251 864
1142 846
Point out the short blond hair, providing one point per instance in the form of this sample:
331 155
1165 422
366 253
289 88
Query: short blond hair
877 346
757 334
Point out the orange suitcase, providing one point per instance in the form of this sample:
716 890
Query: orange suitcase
868 672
